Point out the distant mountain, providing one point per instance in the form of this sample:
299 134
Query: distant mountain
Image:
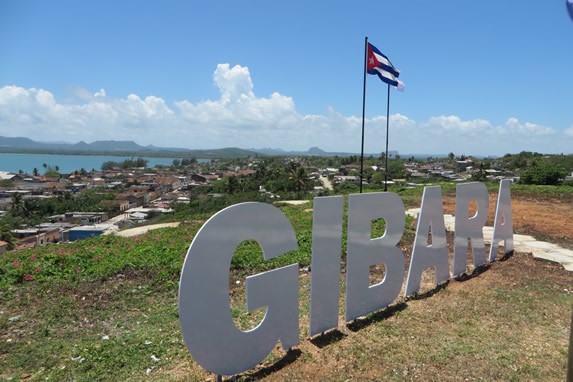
20 143
124 148
113 145
130 148
313 151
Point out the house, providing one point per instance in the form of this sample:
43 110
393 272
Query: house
135 199
30 184
168 183
462 165
87 231
204 178
4 175
117 205
55 187
329 171
347 178
246 172
138 216
198 178
83 218
44 238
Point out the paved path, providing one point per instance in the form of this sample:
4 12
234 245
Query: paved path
143 229
521 243
327 184
294 202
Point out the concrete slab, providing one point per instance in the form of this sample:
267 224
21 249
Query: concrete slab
543 245
554 256
522 243
521 248
521 238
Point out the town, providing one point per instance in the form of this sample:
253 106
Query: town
40 209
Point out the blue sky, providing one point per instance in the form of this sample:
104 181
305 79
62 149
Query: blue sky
482 77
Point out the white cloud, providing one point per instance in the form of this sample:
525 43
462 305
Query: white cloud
241 118
233 83
100 94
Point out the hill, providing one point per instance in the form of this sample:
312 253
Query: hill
110 147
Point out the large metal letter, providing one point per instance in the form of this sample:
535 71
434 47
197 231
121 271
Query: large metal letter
361 297
204 313
325 267
467 227
503 224
424 256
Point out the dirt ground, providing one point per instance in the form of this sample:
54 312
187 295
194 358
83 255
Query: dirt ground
520 317
503 322
548 220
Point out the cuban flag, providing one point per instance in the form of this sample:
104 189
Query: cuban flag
380 65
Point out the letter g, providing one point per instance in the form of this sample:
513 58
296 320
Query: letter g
204 313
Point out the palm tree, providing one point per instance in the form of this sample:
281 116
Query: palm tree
299 179
232 185
16 204
7 236
261 172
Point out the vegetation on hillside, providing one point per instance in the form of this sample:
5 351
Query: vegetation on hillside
539 169
128 163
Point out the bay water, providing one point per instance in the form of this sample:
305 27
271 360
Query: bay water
67 164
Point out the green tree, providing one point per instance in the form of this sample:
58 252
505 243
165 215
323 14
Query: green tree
396 169
480 175
543 174
299 179
232 185
7 236
16 204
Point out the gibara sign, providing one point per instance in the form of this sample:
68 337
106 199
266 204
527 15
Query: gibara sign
208 329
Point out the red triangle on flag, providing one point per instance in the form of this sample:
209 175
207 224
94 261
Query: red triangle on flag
372 61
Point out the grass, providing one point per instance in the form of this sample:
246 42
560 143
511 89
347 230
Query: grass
106 309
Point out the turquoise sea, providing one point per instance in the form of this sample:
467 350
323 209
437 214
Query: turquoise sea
67 163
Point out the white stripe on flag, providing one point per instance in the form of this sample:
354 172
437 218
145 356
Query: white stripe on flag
384 61
385 74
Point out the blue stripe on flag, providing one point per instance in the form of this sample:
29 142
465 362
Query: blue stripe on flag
385 70
386 77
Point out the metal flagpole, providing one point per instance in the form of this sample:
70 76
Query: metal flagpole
363 112
387 130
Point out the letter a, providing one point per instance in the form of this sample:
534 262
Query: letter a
431 219
503 224
470 227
